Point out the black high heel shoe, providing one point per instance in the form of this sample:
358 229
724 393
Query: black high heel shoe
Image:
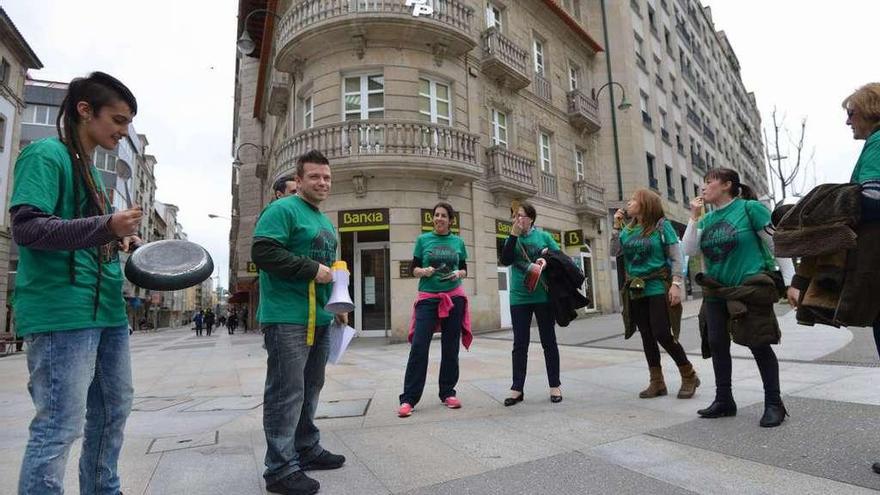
774 415
510 401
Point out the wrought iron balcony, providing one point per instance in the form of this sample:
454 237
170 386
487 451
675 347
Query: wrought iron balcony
509 172
589 199
310 26
583 111
409 147
504 61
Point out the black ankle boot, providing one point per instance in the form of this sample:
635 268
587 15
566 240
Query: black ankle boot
774 414
876 467
720 408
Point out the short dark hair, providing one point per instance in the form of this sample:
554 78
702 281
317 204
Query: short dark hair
529 209
280 184
446 206
311 156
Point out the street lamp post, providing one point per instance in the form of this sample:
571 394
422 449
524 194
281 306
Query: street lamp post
245 43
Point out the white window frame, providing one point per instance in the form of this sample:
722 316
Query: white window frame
574 76
364 92
433 99
41 115
538 57
105 160
493 17
579 169
545 144
308 112
498 127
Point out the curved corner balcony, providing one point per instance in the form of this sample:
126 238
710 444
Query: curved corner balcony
311 26
380 145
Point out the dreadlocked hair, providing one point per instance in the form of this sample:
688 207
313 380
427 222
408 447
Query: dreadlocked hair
98 90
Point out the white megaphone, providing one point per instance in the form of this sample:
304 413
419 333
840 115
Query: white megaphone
340 301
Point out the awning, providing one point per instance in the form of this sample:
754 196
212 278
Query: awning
239 297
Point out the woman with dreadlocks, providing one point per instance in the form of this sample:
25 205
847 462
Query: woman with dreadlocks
68 293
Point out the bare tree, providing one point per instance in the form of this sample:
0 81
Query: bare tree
788 169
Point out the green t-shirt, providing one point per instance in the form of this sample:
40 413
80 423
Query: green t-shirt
645 255
868 164
444 253
304 231
45 299
730 244
533 242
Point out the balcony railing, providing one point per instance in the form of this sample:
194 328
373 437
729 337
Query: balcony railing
396 143
548 185
503 60
309 26
694 119
542 87
589 198
708 134
509 172
583 111
698 161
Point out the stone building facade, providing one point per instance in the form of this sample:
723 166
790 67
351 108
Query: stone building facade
481 107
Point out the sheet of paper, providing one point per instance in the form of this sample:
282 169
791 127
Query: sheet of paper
340 337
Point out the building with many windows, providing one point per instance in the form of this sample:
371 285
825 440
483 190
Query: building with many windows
479 104
16 57
694 113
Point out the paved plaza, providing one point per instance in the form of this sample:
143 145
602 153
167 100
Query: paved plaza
196 425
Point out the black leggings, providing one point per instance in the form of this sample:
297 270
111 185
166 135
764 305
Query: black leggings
651 315
719 344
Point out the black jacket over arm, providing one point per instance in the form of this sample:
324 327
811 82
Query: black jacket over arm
564 280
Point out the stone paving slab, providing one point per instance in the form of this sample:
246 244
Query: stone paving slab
828 439
704 471
568 473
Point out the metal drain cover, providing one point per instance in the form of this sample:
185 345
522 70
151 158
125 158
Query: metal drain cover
181 442
342 408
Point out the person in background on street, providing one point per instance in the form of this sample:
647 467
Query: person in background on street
68 295
244 319
522 252
284 186
294 246
863 116
209 321
737 249
221 322
652 294
440 263
199 319
231 323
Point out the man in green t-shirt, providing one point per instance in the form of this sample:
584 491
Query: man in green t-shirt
294 246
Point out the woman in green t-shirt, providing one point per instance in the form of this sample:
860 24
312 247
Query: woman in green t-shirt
523 252
736 245
68 292
440 263
652 253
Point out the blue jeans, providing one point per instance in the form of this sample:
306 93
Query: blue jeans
450 342
76 377
294 379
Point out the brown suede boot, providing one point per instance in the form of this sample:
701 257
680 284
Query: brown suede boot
689 381
657 387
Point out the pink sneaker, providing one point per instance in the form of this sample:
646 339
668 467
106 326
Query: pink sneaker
452 402
405 410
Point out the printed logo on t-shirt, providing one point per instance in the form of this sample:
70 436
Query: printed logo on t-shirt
444 259
719 240
638 249
323 247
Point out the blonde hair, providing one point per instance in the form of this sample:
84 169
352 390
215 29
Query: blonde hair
650 210
866 100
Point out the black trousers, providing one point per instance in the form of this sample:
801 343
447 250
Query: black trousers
719 344
877 335
651 316
450 338
521 319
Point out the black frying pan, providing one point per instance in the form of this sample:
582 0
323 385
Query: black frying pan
171 264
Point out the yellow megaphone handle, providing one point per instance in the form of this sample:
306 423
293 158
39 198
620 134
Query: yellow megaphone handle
310 329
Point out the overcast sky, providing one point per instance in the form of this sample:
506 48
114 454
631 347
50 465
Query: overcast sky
178 58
